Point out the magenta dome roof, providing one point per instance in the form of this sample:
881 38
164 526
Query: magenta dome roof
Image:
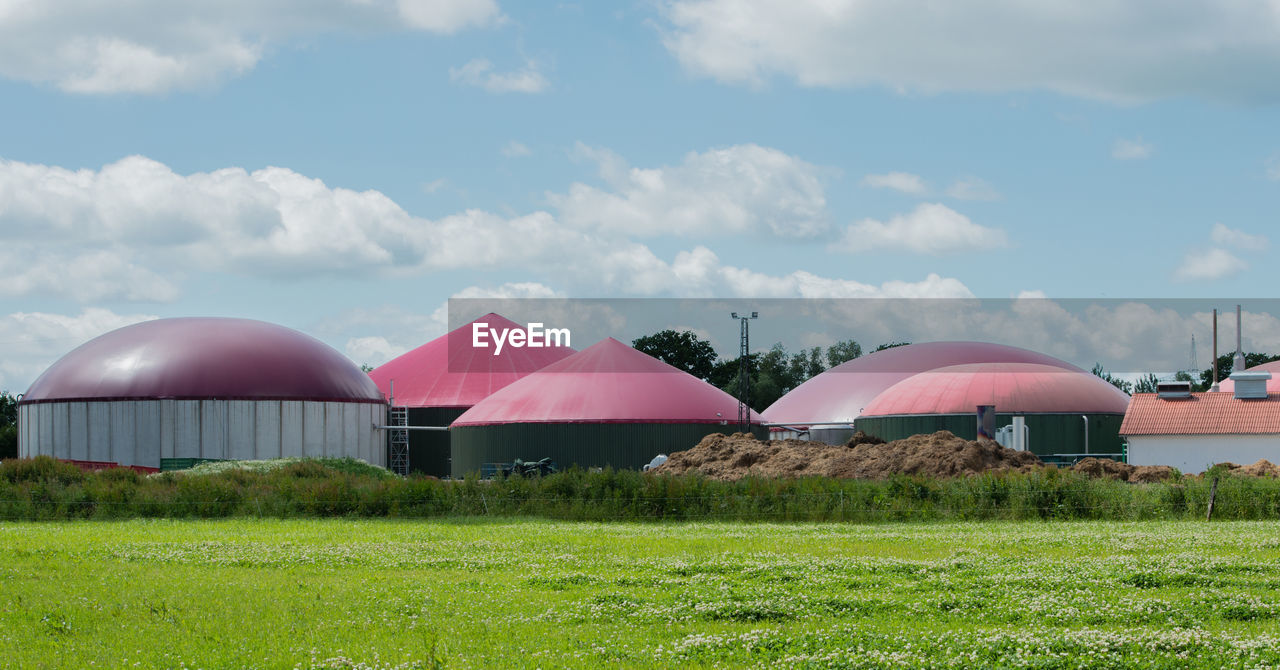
840 394
1012 387
1273 384
608 382
203 358
438 375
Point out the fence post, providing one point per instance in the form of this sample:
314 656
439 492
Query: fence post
1213 493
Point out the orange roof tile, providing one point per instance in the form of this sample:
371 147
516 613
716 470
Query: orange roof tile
1201 414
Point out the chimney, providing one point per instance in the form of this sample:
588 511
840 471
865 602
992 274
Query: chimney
1214 385
1237 364
1251 385
1173 390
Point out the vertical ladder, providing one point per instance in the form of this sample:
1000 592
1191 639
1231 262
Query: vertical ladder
399 437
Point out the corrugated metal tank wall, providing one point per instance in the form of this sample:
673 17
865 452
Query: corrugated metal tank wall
141 432
429 449
1048 433
587 445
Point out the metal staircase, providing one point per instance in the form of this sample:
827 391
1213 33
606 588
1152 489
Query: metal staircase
399 439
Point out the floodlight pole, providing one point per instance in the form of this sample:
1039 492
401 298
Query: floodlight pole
744 382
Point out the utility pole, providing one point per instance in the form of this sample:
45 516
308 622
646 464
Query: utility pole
744 382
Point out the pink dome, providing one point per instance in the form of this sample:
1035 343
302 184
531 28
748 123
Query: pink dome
439 375
204 358
841 393
608 382
1012 387
1273 384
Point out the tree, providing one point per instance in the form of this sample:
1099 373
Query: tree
681 349
366 368
805 364
1224 367
1121 384
890 345
843 352
8 425
1146 384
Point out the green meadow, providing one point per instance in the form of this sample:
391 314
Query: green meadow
360 593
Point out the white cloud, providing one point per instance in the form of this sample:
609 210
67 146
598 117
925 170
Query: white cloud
1230 237
972 188
514 149
480 73
742 188
904 182
1216 263
134 229
928 229
1129 150
1111 51
34 340
153 46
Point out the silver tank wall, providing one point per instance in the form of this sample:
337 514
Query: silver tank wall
141 432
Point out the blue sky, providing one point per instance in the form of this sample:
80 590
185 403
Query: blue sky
345 167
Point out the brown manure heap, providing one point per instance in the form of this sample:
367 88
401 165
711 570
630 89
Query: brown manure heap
1105 468
941 454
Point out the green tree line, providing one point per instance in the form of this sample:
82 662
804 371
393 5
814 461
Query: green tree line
770 374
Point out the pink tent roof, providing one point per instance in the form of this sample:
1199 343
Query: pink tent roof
1011 387
1273 384
841 393
202 358
608 382
439 375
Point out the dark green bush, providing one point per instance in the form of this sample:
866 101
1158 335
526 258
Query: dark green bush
44 488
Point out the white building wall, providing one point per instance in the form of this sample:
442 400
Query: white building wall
142 432
1197 453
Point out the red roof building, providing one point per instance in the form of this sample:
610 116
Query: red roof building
1194 431
1201 414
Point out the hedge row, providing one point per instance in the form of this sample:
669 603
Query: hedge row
43 488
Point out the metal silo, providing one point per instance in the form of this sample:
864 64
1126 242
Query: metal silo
607 405
211 388
839 395
1065 410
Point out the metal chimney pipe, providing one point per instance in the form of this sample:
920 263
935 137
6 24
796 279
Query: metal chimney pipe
1237 365
1214 385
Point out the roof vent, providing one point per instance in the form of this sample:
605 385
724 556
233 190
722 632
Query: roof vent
1250 385
1173 390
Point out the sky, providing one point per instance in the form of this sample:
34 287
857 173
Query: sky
345 167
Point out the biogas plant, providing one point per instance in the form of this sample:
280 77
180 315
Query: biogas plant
168 393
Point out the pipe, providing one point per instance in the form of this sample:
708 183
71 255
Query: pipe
1214 385
1086 432
445 428
1238 364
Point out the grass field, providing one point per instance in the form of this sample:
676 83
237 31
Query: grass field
527 593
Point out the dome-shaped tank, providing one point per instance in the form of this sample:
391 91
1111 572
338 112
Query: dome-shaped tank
838 395
443 378
1057 403
607 405
201 388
